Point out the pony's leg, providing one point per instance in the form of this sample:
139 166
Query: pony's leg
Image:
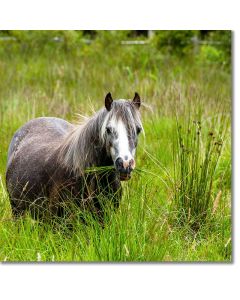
55 203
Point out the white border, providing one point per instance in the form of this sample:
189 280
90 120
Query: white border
145 281
123 14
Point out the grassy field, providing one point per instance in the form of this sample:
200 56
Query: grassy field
177 206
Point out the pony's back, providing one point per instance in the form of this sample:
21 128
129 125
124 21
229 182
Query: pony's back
37 131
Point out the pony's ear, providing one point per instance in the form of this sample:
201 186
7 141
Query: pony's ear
108 101
136 100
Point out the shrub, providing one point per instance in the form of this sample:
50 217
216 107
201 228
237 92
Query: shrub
176 42
210 55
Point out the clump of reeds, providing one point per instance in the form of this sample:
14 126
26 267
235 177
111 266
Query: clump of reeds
197 154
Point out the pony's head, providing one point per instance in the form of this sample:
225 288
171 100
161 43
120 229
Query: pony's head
120 131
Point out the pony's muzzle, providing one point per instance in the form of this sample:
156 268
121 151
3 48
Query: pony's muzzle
124 167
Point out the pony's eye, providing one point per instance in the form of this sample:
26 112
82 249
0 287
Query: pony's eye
138 129
108 130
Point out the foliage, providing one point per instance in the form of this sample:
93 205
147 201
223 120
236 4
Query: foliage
37 40
210 55
216 47
222 40
177 42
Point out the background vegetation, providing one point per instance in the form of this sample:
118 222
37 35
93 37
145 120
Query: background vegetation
177 206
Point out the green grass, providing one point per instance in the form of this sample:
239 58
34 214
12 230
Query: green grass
168 191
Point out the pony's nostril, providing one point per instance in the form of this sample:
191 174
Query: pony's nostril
126 157
119 163
132 164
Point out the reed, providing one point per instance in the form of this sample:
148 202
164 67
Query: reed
197 152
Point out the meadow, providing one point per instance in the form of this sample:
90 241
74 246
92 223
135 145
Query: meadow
177 206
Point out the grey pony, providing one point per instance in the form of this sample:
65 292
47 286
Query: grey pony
48 158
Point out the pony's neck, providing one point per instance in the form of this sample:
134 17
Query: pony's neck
83 148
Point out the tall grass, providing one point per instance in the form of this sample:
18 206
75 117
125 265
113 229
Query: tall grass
182 177
197 157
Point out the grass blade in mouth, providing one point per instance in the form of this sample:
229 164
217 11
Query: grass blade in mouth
99 169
